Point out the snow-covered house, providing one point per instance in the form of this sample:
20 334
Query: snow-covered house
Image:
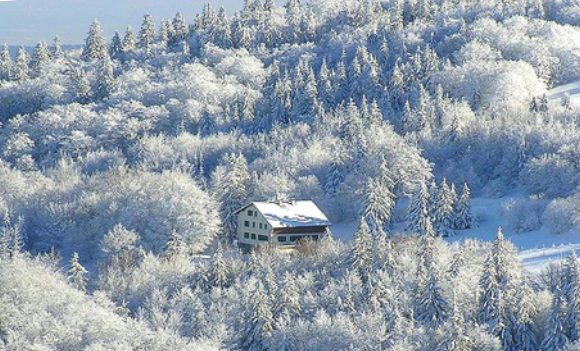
280 223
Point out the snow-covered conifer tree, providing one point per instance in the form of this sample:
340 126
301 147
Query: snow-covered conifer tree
233 191
219 268
536 9
433 200
293 19
571 295
378 203
325 89
397 86
351 128
335 176
432 307
84 92
6 64
463 216
128 42
454 334
105 80
258 323
95 46
375 113
418 219
77 274
146 34
525 330
500 277
555 335
21 69
5 242
444 210
56 50
175 247
13 237
382 252
164 33
179 32
361 152
116 46
340 82
289 297
362 248
40 58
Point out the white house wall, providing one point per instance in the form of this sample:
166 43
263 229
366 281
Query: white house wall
254 228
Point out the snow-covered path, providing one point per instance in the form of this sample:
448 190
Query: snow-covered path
537 248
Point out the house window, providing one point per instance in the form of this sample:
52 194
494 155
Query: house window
253 224
262 238
282 239
253 236
294 238
260 225
250 213
247 235
246 223
315 237
255 214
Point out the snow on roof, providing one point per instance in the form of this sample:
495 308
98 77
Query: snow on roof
292 214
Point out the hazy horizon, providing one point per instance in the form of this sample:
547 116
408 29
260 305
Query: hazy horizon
25 22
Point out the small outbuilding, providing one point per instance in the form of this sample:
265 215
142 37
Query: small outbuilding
280 223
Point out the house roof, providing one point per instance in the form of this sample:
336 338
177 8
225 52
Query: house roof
291 214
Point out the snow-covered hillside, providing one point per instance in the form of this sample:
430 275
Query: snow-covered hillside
537 248
562 92
131 157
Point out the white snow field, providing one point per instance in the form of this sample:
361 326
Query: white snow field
537 248
572 89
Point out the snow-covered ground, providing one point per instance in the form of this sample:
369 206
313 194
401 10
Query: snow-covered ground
537 248
572 89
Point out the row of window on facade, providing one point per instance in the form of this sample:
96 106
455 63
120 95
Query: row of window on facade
260 225
281 238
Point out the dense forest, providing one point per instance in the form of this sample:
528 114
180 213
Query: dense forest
122 164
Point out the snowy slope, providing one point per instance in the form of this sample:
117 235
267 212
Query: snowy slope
537 248
572 89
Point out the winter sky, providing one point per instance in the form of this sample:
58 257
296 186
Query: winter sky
25 22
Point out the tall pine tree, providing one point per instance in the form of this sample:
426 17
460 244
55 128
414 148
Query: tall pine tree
570 281
105 80
259 322
444 210
498 283
77 273
21 69
418 219
555 335
378 203
147 34
6 64
362 249
95 46
233 191
40 58
463 216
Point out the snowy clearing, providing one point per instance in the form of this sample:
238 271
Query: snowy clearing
572 89
537 248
